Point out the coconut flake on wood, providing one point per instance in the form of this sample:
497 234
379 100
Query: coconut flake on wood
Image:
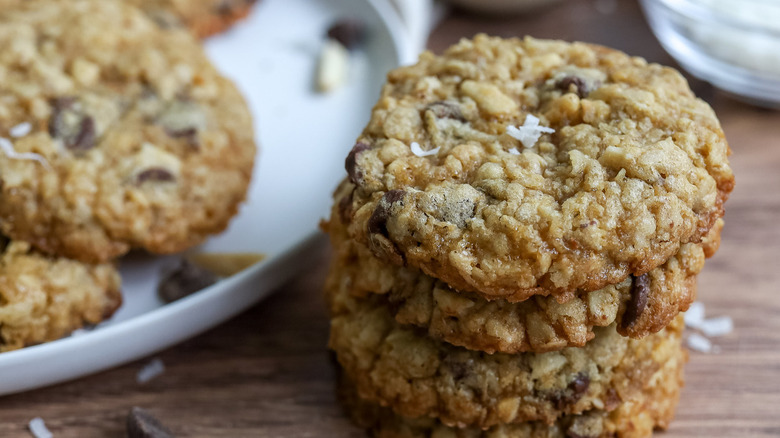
38 428
154 368
719 326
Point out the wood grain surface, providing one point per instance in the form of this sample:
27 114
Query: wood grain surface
267 373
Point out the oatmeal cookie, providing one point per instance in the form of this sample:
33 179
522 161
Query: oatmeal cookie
512 168
45 298
417 376
115 133
652 409
642 305
203 17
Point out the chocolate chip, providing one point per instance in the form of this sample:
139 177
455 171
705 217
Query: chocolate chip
188 134
225 7
457 368
155 174
183 118
186 279
141 424
444 109
612 400
573 392
565 84
579 386
377 223
69 123
4 241
349 32
640 288
350 164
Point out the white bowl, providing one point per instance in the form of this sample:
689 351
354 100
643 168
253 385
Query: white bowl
735 45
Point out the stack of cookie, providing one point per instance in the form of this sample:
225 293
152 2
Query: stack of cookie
115 134
522 224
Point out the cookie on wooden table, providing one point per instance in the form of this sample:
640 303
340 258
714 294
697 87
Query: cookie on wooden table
654 408
416 376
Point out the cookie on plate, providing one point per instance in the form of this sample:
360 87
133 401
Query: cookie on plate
45 298
115 133
203 17
652 409
512 168
642 305
416 376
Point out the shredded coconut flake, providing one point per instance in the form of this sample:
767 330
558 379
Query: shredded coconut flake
514 151
417 150
20 130
38 428
719 326
701 344
154 368
694 317
8 149
529 133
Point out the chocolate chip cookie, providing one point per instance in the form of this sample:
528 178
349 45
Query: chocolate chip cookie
203 17
115 133
514 168
417 376
652 409
45 298
642 305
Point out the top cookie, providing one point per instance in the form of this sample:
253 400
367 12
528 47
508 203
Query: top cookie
520 167
116 133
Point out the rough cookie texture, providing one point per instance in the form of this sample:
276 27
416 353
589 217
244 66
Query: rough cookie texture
44 298
417 376
141 142
652 409
538 324
636 167
203 17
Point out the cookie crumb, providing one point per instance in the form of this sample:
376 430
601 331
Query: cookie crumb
8 149
20 130
530 132
153 369
185 280
38 428
417 150
225 264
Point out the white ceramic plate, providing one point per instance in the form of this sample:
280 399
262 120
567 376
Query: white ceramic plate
304 137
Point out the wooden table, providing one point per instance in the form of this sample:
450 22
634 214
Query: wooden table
267 373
